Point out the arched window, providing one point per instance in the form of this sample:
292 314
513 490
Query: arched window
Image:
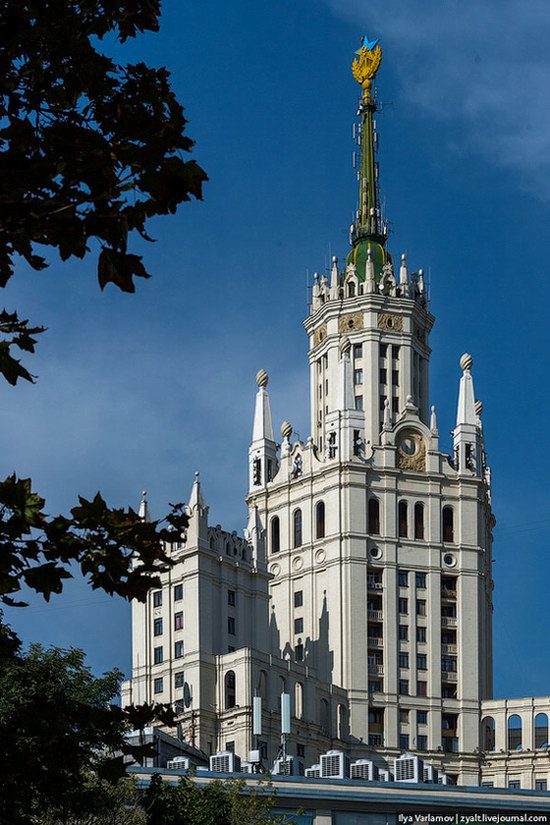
448 524
419 520
351 290
262 685
488 734
320 520
342 722
402 512
374 516
275 534
541 730
229 689
297 528
324 717
514 732
299 700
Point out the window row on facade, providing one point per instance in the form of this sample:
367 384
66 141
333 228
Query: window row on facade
514 732
158 595
415 530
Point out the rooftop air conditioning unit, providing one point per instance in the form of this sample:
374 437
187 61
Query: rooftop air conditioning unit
364 769
314 771
247 767
334 765
178 763
408 768
443 779
385 776
288 767
431 775
225 762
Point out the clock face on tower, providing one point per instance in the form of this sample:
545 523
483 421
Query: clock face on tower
411 451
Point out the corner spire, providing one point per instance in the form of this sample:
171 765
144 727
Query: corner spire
144 513
263 424
196 500
466 411
368 227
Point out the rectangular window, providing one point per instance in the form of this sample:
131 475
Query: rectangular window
358 350
300 750
358 402
403 660
231 598
422 743
404 632
383 350
395 404
298 625
541 785
420 607
231 626
299 598
157 627
395 378
178 679
421 635
157 598
421 688
487 784
158 655
299 653
404 741
178 650
514 784
158 685
178 592
383 376
403 605
448 664
230 746
375 686
358 376
404 716
422 717
375 740
420 581
404 687
395 352
403 578
422 661
178 621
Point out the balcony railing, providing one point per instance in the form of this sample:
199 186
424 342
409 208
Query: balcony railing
376 669
448 676
372 584
375 641
448 648
448 621
374 615
448 593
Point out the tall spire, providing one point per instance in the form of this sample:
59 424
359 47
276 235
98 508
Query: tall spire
144 507
263 424
367 231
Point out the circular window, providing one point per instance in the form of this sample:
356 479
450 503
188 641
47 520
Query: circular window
375 552
408 445
449 560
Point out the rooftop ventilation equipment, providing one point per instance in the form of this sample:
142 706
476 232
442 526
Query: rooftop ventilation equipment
364 769
225 762
408 768
334 765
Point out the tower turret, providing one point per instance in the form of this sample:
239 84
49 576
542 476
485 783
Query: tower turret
262 453
197 510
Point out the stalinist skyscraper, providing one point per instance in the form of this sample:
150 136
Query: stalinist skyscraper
363 584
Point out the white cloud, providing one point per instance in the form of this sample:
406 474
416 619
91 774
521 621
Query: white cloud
484 66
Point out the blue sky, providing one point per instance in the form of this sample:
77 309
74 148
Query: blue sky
138 392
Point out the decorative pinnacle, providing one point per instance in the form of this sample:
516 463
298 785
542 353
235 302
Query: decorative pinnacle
365 66
466 362
262 378
478 408
286 429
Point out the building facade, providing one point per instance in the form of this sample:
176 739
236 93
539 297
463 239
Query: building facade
363 583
